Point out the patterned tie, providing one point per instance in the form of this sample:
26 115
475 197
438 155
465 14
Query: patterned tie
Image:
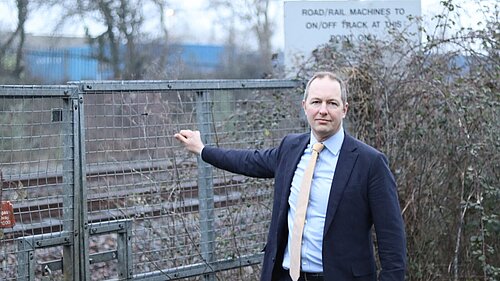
300 213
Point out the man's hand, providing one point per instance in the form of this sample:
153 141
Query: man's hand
191 140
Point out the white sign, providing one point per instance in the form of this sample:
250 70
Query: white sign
309 24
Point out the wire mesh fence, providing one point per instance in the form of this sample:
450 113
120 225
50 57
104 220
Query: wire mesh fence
36 156
151 210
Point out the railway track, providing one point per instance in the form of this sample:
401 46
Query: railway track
135 190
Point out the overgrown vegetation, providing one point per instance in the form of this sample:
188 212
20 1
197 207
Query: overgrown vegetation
433 108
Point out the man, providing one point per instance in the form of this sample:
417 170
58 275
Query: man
352 190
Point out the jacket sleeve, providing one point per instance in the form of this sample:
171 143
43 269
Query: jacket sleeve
252 163
388 222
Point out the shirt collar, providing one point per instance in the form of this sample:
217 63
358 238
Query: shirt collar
333 143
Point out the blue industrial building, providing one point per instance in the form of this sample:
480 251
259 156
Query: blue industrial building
57 65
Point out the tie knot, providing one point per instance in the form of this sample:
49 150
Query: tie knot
318 147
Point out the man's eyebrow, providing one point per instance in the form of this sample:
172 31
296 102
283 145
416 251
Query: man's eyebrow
332 99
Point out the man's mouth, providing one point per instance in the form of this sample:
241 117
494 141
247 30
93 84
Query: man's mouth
322 120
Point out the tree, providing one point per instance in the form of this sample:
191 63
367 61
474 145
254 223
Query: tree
121 44
254 16
122 20
15 41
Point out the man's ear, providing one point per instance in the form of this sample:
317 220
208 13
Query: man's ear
346 107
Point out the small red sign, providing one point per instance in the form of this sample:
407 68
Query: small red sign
7 218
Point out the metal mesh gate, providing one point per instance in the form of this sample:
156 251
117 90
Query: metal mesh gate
153 211
38 149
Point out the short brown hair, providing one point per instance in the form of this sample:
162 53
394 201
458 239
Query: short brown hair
331 76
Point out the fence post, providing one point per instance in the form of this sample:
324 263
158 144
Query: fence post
80 184
205 184
124 250
26 261
69 134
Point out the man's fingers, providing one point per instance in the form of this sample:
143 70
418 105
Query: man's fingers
180 137
191 140
184 135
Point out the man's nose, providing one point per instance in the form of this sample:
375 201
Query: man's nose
323 108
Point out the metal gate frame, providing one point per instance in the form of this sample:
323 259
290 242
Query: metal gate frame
74 238
74 213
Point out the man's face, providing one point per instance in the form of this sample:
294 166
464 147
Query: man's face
324 108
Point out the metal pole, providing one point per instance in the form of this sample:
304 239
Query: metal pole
205 185
81 190
70 256
26 261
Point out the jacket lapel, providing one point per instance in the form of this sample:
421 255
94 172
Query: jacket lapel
345 164
294 152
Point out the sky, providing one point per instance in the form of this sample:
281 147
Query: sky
192 23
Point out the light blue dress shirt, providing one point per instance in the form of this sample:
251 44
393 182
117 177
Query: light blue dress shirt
312 239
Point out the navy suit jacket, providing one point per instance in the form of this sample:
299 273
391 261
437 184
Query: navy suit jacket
363 194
